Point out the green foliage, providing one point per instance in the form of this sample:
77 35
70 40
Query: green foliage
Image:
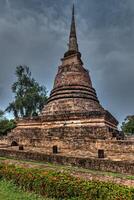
62 185
1 114
8 191
30 97
5 124
128 125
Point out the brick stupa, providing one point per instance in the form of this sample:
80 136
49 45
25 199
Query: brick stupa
73 113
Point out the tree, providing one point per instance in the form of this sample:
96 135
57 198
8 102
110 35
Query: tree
128 125
1 114
5 124
30 97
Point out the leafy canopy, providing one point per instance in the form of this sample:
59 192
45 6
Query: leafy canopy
5 124
128 125
30 97
1 114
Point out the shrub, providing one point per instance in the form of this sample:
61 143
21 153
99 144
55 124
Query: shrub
63 186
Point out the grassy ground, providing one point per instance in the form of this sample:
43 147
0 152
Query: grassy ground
52 184
68 168
27 179
8 191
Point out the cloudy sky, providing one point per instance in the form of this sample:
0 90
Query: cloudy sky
35 33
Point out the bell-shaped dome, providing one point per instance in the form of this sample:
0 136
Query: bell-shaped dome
72 91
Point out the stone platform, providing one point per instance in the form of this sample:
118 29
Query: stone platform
64 159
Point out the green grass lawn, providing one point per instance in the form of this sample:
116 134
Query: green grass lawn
8 191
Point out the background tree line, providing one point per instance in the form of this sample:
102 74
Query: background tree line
128 125
6 125
29 99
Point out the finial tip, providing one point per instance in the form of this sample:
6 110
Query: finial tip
73 9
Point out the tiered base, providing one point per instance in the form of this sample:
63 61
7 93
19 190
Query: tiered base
66 131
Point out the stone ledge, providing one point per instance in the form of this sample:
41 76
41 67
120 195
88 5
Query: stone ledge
95 164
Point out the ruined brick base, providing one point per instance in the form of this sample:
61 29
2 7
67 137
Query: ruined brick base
73 137
69 133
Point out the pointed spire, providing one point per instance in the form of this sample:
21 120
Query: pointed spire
73 46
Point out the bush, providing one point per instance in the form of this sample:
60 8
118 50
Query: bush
6 126
64 186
